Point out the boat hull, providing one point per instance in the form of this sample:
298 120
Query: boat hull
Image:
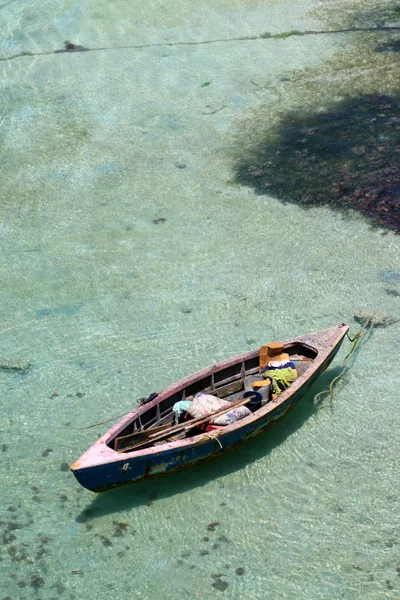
173 457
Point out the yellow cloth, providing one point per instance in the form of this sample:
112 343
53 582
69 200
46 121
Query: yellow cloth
281 378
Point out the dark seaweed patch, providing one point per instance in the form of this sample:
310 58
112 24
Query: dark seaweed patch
240 571
219 584
36 581
159 221
4 447
64 467
118 533
212 526
13 525
379 16
389 584
44 539
71 47
84 515
346 157
223 538
40 553
105 541
391 292
122 525
389 276
389 46
7 538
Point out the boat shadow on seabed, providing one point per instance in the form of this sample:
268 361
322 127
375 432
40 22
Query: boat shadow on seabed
139 494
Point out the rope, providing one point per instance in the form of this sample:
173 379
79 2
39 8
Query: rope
87 426
213 438
360 337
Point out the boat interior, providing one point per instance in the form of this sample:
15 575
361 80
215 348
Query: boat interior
156 424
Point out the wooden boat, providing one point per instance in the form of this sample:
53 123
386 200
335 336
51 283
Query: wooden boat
127 453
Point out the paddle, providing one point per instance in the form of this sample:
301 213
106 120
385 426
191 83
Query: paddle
138 436
193 423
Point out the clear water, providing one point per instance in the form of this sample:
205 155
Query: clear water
123 270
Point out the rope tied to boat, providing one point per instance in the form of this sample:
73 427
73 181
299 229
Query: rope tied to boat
369 321
212 437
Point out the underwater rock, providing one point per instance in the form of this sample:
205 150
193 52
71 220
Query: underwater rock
389 276
345 157
122 525
36 581
70 47
45 539
15 364
374 319
392 292
389 47
159 221
105 541
240 571
219 584
118 533
213 525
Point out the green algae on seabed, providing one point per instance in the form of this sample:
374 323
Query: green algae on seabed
355 14
346 156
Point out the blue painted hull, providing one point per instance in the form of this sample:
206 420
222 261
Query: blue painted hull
132 469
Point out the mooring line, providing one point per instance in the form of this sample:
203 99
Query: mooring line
360 337
73 49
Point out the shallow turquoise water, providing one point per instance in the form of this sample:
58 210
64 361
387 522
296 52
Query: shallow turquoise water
130 259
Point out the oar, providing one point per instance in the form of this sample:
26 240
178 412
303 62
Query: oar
194 423
139 436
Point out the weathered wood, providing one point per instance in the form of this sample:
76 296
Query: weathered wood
227 390
191 424
101 468
15 364
124 441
